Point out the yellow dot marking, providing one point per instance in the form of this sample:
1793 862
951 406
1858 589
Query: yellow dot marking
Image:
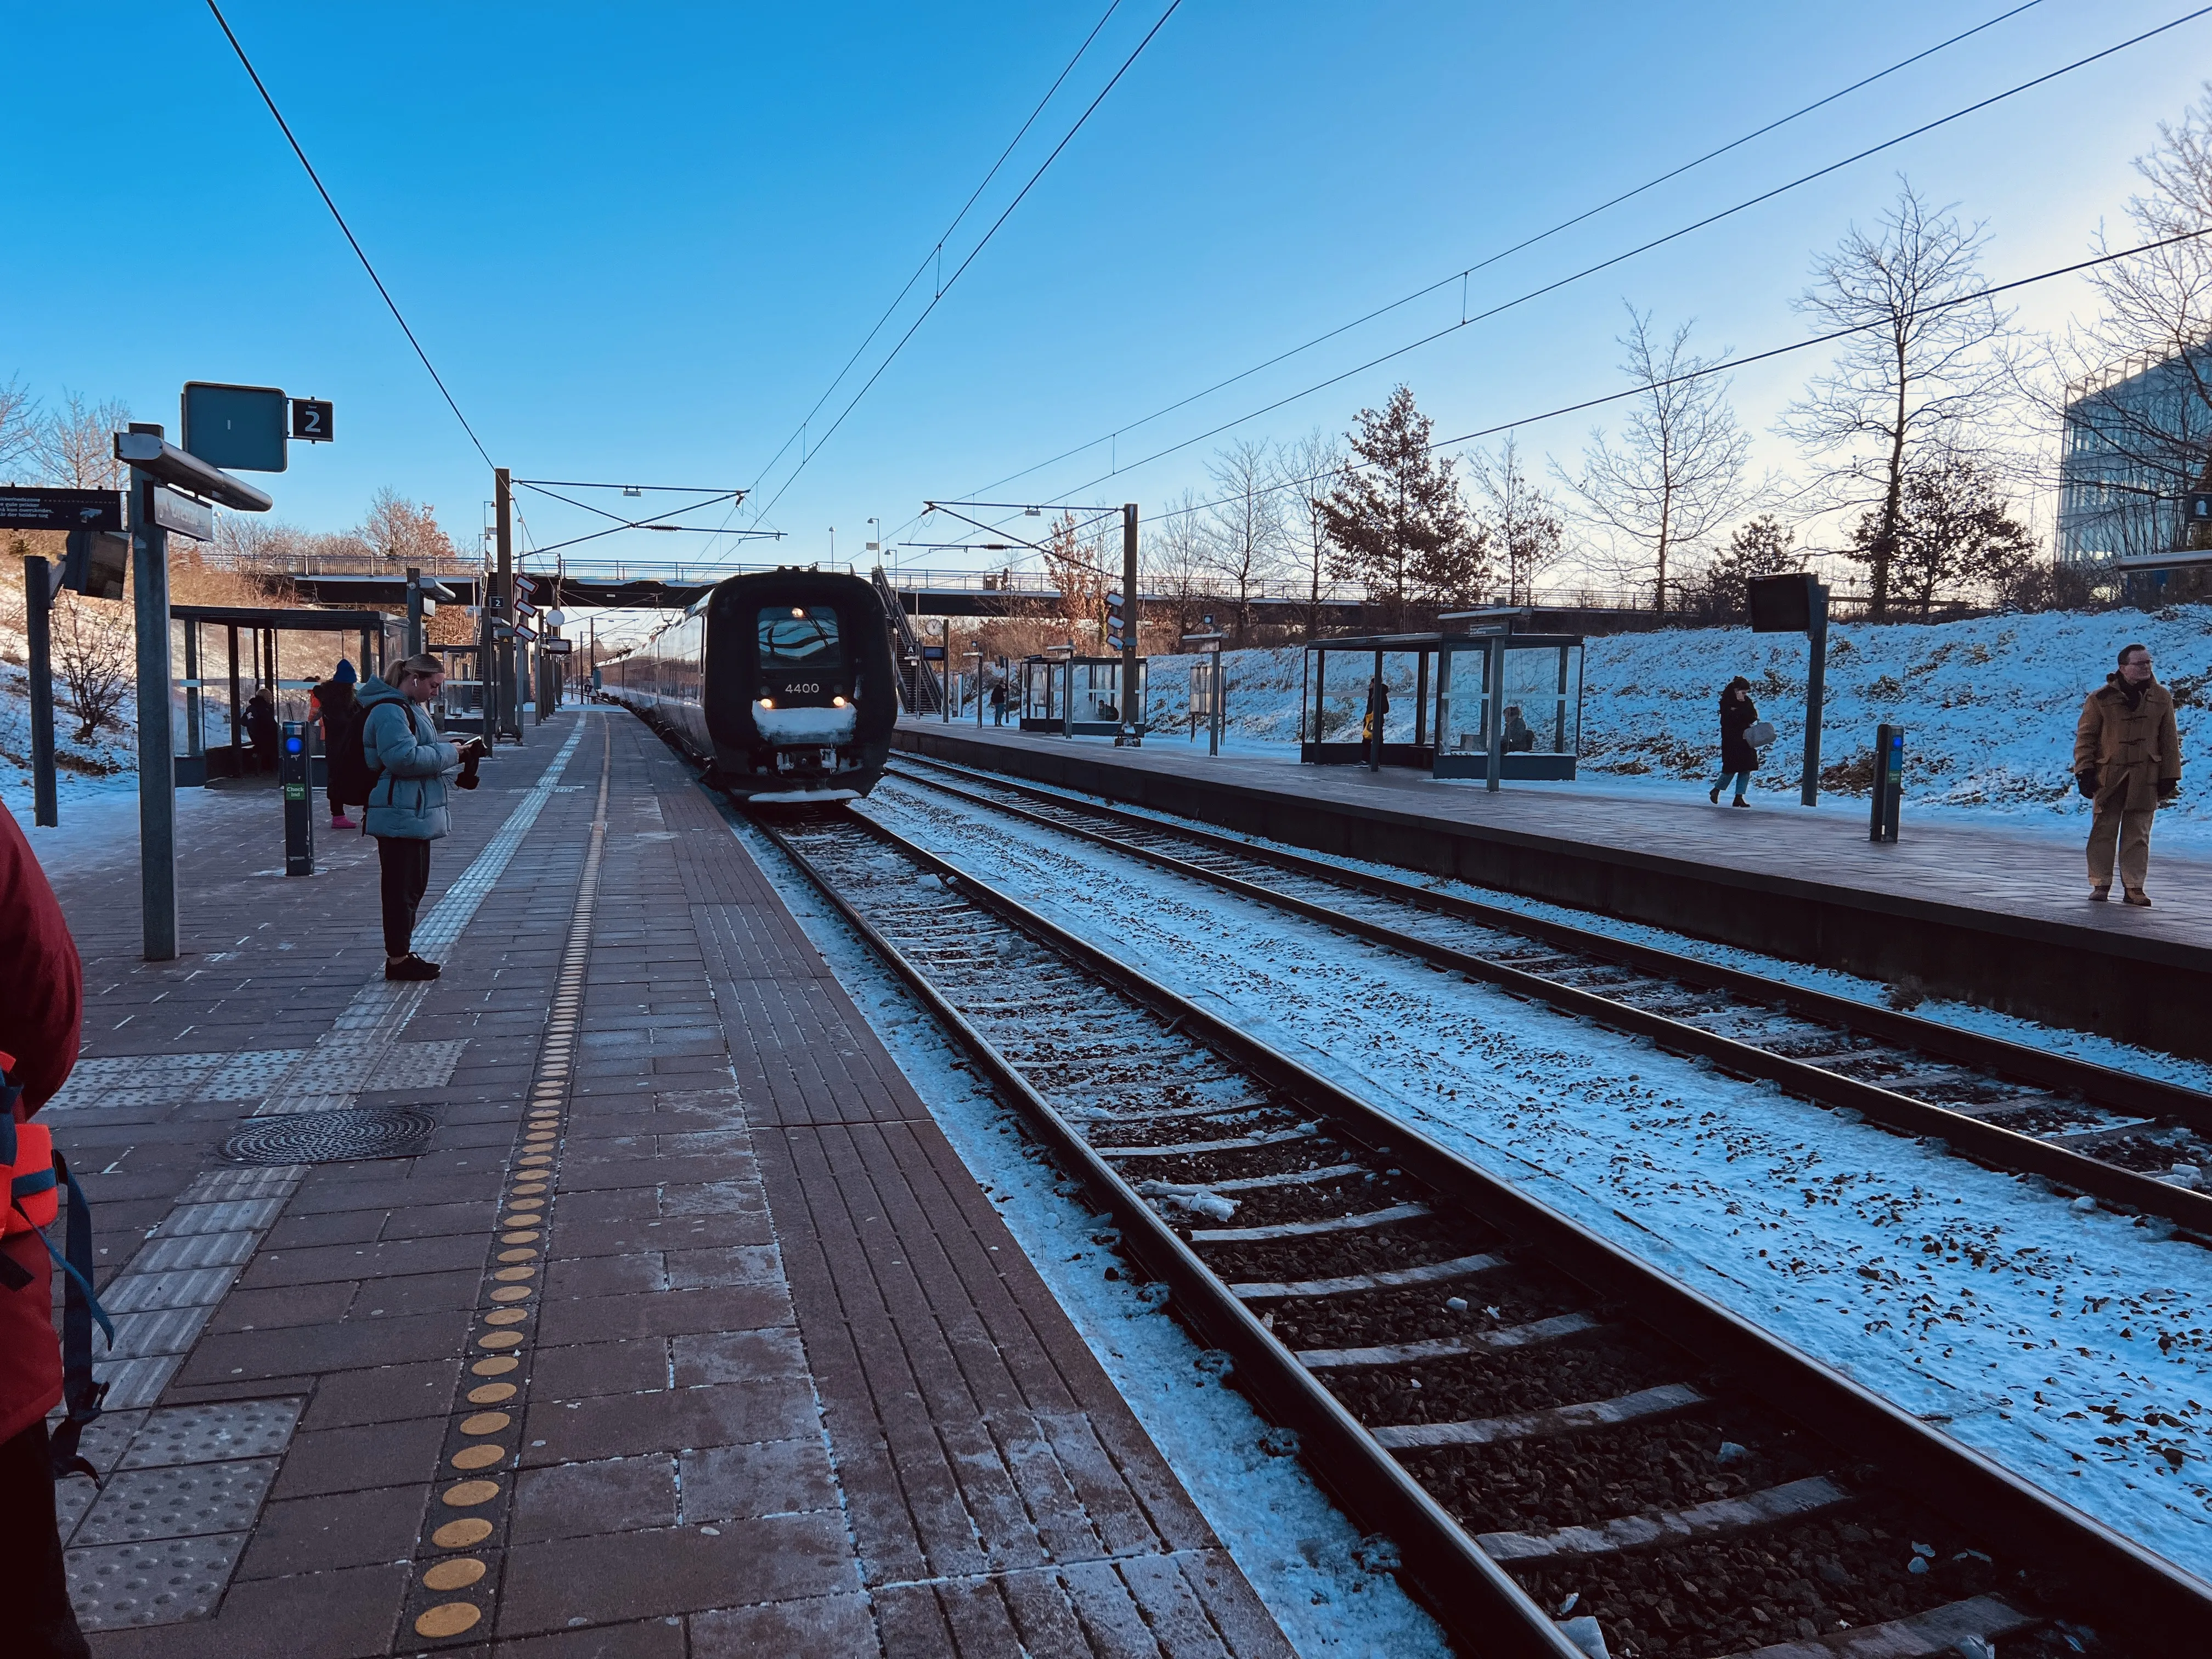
479 1457
528 1189
491 1393
486 1422
495 1366
520 1238
526 1204
537 1158
470 1494
501 1339
453 1575
506 1316
448 1619
514 1275
510 1293
459 1534
518 1255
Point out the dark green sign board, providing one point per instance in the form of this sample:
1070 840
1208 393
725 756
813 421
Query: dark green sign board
240 428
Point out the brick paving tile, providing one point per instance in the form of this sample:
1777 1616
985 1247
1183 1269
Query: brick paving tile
818 1625
617 1576
647 1639
354 1528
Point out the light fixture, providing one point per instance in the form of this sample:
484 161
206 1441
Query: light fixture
633 491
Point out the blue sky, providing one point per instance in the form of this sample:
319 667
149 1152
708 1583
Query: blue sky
639 241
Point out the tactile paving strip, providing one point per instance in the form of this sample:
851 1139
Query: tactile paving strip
192 1500
209 1434
459 1562
151 1584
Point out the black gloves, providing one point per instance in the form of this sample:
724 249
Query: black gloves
2168 788
2087 783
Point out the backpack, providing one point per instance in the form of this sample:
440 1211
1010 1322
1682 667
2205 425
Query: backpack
351 776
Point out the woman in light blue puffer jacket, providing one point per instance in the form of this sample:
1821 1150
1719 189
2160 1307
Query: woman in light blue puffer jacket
407 807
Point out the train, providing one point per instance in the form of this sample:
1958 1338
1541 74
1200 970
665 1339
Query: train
780 683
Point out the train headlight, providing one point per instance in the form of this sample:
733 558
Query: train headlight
768 702
836 702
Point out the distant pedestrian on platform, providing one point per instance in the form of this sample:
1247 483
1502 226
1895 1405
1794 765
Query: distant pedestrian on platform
407 803
998 703
337 711
1739 759
261 730
2127 759
41 1002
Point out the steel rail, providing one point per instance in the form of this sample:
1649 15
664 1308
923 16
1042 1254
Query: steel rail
2099 1571
1985 1143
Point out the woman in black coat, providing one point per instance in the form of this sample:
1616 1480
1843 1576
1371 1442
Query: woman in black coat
1739 759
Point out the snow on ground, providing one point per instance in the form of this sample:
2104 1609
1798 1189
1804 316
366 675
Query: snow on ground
2074 1347
2080 1045
1290 1541
1989 707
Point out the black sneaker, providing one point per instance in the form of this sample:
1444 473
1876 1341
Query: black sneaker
410 966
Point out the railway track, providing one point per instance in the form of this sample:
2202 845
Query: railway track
1568 1451
2133 1143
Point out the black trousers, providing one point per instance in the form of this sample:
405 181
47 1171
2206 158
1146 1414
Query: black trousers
40 1621
405 867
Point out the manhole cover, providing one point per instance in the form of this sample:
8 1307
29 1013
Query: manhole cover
333 1137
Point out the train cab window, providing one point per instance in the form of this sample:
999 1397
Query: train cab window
800 636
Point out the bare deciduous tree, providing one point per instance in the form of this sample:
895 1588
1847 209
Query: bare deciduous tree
19 428
1070 559
94 658
1244 526
1525 532
2155 315
1678 474
404 531
76 444
1177 561
1927 375
1305 468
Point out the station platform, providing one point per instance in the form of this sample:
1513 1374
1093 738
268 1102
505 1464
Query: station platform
2000 920
614 1297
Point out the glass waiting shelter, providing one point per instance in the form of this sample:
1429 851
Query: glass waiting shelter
1438 692
1076 696
285 652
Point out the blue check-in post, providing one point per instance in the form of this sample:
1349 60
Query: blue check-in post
295 772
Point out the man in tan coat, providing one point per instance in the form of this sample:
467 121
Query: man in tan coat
2127 759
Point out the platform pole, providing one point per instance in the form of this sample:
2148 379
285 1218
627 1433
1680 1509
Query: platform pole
37 618
1133 722
1816 694
414 612
157 780
1494 671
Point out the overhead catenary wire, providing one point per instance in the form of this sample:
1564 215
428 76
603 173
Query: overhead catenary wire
937 252
1590 270
1642 388
352 240
1521 245
960 268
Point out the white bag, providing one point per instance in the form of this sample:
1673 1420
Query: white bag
1758 734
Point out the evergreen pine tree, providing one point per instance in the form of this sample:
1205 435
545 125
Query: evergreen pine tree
1394 517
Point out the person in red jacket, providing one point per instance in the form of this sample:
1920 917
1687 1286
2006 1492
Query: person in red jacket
41 1003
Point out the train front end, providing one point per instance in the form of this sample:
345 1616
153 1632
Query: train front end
801 696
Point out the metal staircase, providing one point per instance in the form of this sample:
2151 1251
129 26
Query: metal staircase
920 692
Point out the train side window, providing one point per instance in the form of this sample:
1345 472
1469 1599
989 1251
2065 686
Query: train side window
799 636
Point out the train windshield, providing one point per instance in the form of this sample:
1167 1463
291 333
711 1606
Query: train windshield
799 636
